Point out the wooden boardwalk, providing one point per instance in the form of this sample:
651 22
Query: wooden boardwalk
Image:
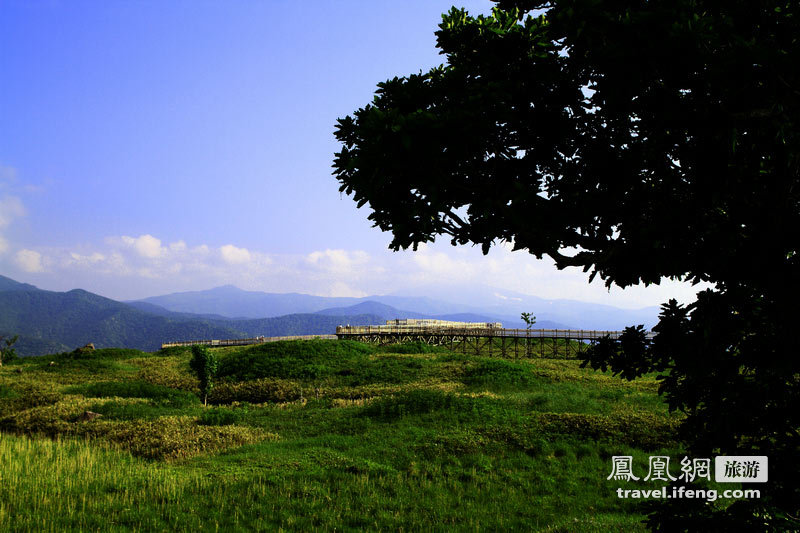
244 342
505 340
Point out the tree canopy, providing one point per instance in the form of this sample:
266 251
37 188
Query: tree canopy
636 140
204 364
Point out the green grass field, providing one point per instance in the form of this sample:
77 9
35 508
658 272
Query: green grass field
321 435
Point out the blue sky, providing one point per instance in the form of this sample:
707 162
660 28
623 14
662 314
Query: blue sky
150 146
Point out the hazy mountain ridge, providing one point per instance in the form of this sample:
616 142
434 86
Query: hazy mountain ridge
482 302
387 312
232 302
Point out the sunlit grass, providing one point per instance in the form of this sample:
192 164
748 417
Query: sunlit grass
346 437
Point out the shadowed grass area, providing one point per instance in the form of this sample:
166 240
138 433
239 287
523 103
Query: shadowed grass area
322 435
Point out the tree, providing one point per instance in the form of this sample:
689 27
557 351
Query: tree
637 141
529 319
204 364
8 353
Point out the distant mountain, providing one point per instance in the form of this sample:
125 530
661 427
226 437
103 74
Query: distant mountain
160 311
8 284
496 305
230 301
56 321
49 322
387 312
299 324
508 305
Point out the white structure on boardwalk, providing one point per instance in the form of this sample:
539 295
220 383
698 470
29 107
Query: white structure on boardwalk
430 322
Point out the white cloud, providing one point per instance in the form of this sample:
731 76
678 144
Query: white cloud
340 261
140 266
179 246
341 289
96 257
116 261
145 245
511 298
29 261
437 266
235 256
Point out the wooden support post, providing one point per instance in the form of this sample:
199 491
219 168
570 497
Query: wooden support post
555 345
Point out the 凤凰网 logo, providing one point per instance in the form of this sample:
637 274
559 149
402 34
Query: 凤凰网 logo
727 469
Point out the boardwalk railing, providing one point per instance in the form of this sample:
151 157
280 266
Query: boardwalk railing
245 342
482 339
572 334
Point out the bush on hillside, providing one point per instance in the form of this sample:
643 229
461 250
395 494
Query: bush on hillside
256 391
159 394
497 373
313 359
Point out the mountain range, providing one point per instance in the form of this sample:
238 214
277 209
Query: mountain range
48 321
471 303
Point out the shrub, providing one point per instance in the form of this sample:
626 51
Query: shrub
102 353
133 409
160 395
645 431
256 391
496 373
26 395
168 372
219 417
174 351
383 369
165 437
419 401
7 392
50 419
177 437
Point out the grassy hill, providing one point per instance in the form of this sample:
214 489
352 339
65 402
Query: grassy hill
323 435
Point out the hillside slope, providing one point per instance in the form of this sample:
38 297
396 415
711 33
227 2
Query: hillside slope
49 322
54 321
